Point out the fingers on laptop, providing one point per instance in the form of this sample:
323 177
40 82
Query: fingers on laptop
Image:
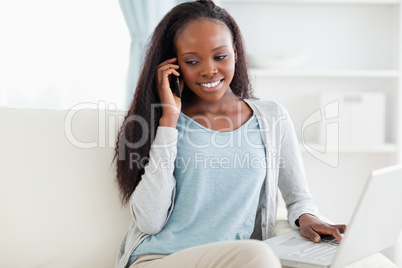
311 227
340 227
315 230
310 233
328 229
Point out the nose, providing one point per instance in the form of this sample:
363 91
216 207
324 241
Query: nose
209 69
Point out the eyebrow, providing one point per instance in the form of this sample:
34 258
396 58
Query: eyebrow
212 50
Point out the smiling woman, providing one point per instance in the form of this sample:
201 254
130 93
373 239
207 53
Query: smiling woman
196 205
206 57
55 54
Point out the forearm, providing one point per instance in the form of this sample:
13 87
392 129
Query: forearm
154 195
169 120
292 181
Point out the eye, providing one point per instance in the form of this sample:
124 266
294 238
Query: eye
221 57
191 62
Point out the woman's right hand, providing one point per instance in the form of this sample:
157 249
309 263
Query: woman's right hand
171 104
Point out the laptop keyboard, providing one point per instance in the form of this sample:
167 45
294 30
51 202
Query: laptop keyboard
324 251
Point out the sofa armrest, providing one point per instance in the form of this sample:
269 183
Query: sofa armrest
282 224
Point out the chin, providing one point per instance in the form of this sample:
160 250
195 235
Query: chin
211 96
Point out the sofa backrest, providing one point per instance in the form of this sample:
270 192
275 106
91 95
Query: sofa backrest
59 204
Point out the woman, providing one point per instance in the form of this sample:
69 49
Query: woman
201 172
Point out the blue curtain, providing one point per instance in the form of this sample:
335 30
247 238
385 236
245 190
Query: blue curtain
141 17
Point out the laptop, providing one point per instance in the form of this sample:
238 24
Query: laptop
375 225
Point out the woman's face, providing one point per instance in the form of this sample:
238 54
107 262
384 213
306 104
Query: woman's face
206 58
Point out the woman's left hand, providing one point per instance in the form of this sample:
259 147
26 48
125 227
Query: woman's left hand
311 227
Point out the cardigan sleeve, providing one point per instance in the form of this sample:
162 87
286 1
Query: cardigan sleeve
152 200
291 178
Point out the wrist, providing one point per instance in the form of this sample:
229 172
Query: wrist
305 215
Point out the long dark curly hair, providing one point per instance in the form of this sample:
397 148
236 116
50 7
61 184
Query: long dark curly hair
142 119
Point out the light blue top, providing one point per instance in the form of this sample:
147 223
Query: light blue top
153 200
219 176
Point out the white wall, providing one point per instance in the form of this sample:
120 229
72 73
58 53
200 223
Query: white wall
55 54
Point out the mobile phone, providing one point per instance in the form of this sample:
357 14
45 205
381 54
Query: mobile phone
175 86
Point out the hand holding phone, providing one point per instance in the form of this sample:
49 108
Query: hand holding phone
167 86
167 75
175 86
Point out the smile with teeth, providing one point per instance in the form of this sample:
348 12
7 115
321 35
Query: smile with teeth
210 85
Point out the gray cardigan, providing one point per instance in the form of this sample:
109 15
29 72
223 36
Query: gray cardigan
153 200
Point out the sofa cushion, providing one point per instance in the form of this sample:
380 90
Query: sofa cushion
59 205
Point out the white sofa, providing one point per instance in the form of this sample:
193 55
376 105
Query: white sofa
59 203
